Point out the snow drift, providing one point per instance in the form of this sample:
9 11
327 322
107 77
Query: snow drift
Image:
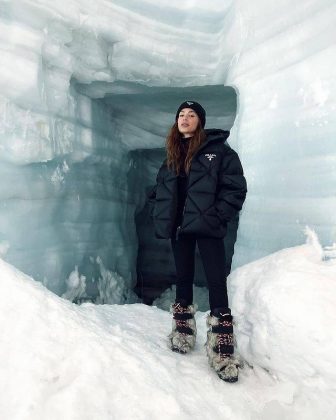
60 360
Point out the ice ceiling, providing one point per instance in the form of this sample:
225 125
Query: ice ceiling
87 87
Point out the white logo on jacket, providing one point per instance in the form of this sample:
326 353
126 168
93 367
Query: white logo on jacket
210 156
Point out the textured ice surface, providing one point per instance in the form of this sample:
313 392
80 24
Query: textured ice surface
285 126
113 361
65 131
105 287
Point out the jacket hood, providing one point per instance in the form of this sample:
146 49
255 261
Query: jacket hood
216 134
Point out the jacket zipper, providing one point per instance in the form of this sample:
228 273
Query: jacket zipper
196 153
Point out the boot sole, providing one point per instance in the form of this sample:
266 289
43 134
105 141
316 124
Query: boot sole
177 350
230 380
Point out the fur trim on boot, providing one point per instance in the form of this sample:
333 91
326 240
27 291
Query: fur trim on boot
220 345
183 336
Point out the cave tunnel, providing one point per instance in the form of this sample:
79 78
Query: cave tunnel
80 221
153 111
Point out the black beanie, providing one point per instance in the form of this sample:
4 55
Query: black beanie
195 106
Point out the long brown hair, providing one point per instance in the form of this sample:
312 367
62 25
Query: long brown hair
173 147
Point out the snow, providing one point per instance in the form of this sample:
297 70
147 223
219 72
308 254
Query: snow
61 360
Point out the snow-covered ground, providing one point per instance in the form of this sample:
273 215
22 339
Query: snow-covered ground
59 360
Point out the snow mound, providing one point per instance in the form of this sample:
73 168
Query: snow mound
59 360
284 307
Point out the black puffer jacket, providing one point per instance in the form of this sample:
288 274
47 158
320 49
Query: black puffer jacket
215 193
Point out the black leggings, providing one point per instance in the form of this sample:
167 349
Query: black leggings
213 257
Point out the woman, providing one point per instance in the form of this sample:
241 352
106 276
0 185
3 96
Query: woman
200 187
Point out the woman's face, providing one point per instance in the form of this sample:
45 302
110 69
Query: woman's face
187 122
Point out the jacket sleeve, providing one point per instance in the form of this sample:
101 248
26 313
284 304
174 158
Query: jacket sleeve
151 194
231 187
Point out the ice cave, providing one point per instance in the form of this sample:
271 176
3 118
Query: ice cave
87 97
88 91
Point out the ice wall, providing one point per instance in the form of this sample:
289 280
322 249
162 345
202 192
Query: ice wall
65 139
285 130
60 204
